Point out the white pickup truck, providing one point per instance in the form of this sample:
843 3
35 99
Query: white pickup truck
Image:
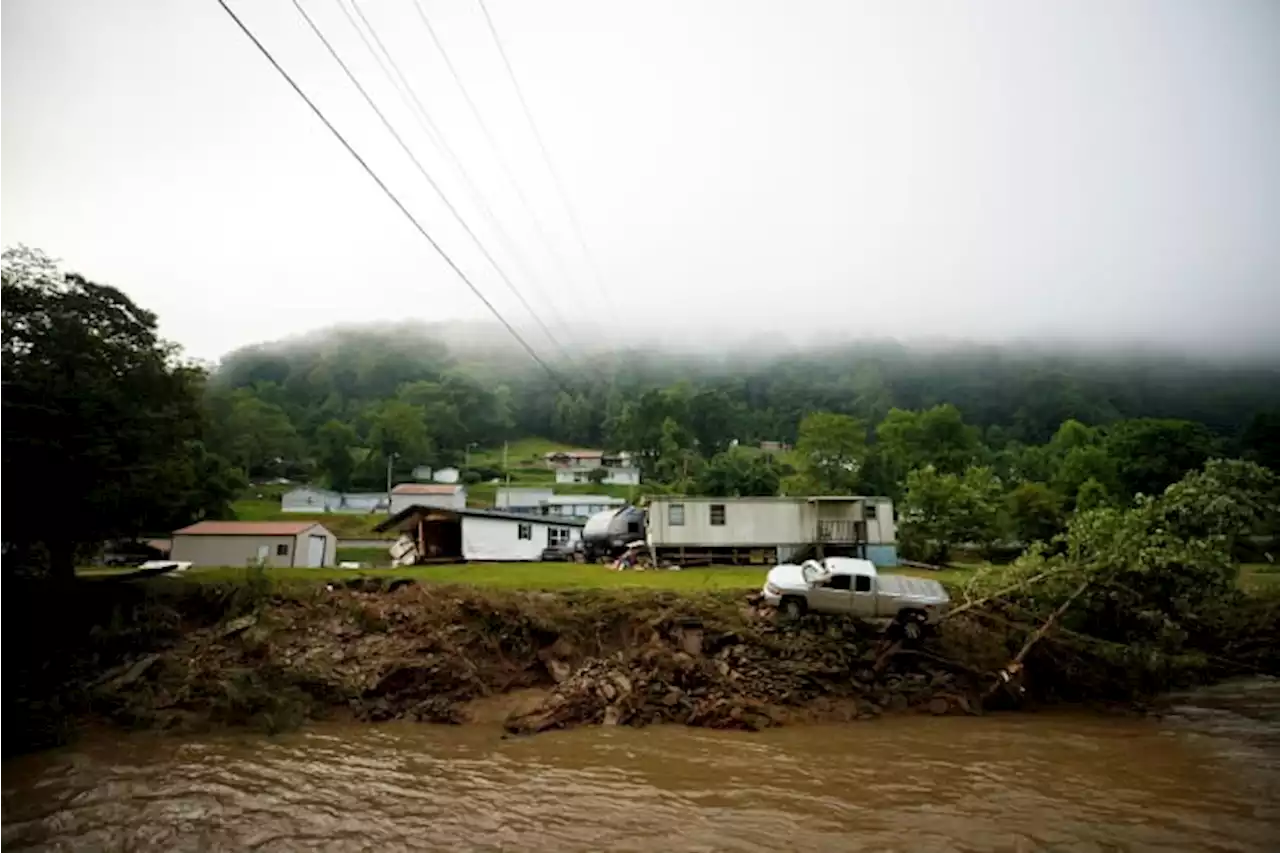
844 585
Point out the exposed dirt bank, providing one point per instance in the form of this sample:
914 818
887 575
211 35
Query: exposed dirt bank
186 656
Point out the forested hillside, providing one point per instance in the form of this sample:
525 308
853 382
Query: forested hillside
366 394
978 444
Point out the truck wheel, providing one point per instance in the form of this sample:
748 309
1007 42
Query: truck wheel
791 609
912 622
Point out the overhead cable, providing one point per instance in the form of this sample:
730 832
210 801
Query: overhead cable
546 158
497 151
425 174
392 196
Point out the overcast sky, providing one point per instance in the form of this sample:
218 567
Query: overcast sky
1086 169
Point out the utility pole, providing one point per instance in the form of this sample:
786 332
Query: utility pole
505 469
390 460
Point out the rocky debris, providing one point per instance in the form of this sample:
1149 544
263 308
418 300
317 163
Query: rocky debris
424 654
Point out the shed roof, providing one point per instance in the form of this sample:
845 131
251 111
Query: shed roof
405 514
247 528
425 489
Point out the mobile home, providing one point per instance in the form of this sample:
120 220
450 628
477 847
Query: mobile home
772 529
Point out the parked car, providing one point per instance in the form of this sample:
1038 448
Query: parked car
568 552
853 587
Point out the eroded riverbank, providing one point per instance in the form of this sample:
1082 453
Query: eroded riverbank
192 657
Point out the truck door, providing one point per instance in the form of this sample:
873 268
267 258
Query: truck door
834 595
863 601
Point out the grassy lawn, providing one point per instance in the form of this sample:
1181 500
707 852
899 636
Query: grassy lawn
342 524
527 575
525 453
523 576
376 557
1260 577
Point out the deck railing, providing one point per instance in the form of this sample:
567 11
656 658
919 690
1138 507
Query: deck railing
839 531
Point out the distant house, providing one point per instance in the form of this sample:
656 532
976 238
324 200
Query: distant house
278 544
588 459
440 495
515 499
615 476
433 534
445 475
578 506
313 499
774 446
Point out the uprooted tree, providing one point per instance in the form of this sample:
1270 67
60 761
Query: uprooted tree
1142 598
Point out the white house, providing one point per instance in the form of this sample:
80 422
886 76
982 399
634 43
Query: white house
775 527
432 534
440 495
517 499
614 476
278 544
445 475
313 499
579 506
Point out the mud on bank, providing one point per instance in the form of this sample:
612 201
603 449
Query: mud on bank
184 656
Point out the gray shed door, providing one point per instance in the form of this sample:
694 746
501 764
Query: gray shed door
315 551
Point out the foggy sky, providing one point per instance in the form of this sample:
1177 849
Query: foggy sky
1082 170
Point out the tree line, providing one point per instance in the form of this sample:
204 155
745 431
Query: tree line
977 444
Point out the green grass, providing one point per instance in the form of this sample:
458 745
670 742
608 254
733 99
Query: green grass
523 576
530 575
1260 577
524 453
376 557
342 524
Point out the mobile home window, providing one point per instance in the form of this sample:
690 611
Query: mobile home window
557 536
675 515
282 550
524 530
869 512
717 515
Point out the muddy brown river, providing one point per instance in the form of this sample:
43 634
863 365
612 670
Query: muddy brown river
1206 777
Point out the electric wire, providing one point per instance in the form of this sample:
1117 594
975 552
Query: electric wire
426 175
546 158
392 196
404 88
555 253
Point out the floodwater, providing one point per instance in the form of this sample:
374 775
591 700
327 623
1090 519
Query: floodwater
1205 778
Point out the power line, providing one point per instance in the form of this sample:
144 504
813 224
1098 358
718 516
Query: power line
392 196
546 157
422 170
415 106
497 151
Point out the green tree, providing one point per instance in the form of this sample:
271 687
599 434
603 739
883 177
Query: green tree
941 510
1151 453
739 472
335 442
937 436
101 423
830 452
398 432
253 433
1035 512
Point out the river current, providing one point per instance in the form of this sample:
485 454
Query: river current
1205 777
